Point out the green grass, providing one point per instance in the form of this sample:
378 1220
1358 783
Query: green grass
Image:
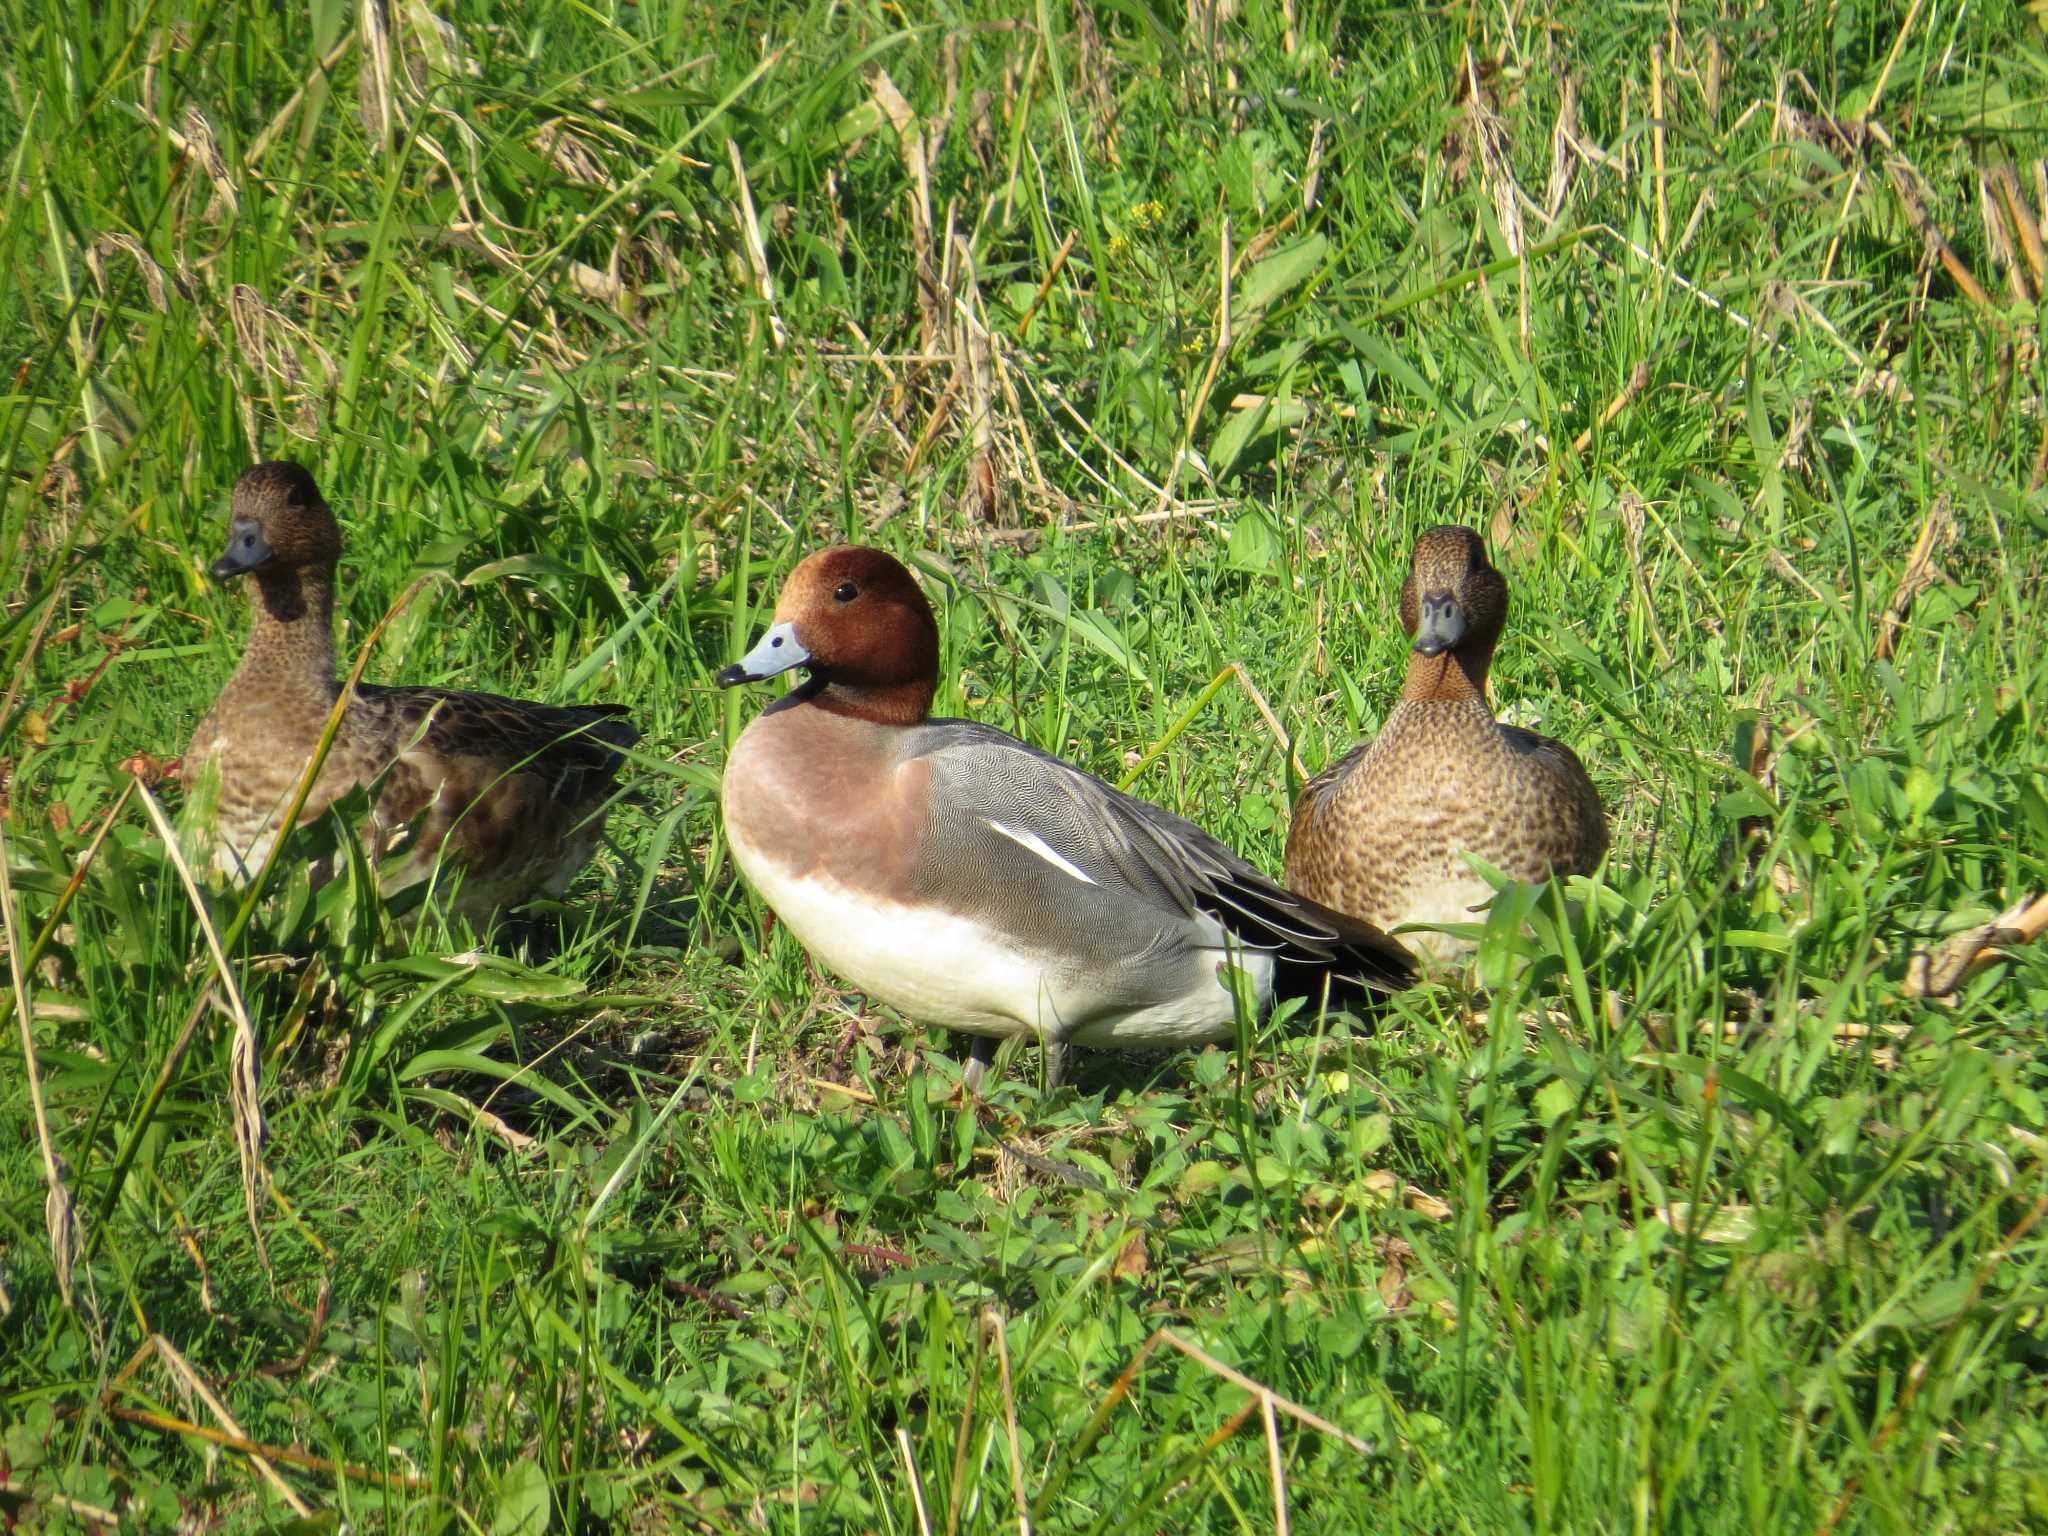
592 1240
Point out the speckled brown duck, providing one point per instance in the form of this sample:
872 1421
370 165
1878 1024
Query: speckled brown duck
506 797
1381 834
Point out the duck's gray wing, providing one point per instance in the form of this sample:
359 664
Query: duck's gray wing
1057 841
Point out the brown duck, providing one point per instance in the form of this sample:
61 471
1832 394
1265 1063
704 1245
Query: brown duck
507 795
1381 833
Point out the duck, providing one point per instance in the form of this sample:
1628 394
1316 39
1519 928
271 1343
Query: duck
970 880
1382 833
510 795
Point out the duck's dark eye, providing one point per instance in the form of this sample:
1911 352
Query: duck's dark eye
845 592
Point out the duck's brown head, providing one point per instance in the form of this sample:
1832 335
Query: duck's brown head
854 617
278 521
1453 605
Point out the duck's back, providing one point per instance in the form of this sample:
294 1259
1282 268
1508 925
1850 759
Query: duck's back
1563 823
511 792
1382 833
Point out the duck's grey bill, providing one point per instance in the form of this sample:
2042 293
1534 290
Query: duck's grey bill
776 651
1442 626
247 551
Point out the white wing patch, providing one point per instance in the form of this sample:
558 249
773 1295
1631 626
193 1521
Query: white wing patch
1038 845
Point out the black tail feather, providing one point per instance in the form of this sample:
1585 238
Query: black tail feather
1314 945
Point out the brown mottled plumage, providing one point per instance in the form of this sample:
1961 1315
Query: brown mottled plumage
511 794
1380 834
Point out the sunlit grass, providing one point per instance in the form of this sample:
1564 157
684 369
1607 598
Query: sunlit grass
1682 1211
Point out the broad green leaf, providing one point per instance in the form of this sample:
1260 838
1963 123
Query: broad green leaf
1278 274
524 1502
1244 427
1254 546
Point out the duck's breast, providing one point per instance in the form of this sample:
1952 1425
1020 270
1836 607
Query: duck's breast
259 746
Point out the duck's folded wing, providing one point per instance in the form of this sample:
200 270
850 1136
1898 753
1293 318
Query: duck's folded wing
577 747
1334 774
1070 836
1574 799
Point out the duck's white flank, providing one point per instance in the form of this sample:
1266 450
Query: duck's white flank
953 971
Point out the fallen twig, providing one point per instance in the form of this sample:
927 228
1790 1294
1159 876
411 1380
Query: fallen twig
1938 970
290 1455
1919 574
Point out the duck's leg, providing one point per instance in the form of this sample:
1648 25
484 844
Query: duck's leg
843 1047
980 1052
1055 1052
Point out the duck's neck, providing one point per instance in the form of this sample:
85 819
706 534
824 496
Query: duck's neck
893 704
291 642
1454 677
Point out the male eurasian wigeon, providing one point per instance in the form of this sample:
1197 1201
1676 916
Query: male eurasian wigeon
510 795
1381 833
969 880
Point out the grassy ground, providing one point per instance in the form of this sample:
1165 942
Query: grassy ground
1151 341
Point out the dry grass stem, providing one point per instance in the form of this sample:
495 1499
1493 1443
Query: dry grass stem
975 365
848 1090
1638 380
60 1216
244 1070
486 1120
1657 146
1565 152
1939 970
288 1455
1906 185
1487 129
1052 274
201 146
197 1386
1252 401
924 1520
373 80
750 241
1087 427
1937 529
910 144
252 157
1286 1405
2025 224
1276 1469
960 1436
62 1503
992 1321
1264 1401
1891 59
